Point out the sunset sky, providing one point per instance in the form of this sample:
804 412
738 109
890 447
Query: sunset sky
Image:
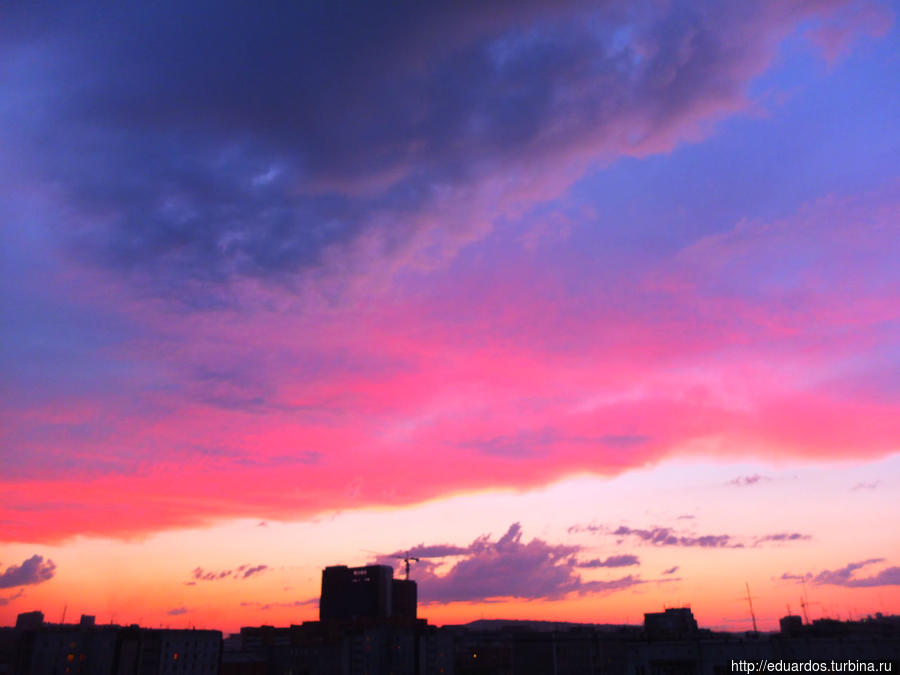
593 306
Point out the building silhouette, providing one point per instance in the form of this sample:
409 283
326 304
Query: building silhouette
368 623
369 592
405 599
673 623
369 627
37 648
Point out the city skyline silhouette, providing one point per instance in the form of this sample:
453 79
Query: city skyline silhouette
368 623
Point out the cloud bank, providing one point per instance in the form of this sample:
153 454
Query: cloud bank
274 282
509 567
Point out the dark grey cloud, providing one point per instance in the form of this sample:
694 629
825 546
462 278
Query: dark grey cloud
5 600
664 536
534 443
509 567
846 576
302 457
525 444
871 485
782 537
889 576
241 572
194 144
34 570
624 441
599 586
671 570
199 574
787 576
432 551
753 479
612 561
178 611
592 528
251 571
271 605
667 536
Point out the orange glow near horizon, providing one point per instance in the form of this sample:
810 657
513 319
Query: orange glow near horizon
150 580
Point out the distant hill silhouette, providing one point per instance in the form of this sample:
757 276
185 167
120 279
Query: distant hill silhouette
526 624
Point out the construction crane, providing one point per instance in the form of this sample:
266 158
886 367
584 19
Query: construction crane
804 603
750 601
407 558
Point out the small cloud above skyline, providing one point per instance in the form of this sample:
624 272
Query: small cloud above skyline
753 479
34 570
668 536
6 599
846 576
239 573
870 485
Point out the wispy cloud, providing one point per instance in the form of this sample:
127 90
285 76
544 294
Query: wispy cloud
846 576
780 537
664 536
5 600
753 479
241 572
871 485
668 536
265 606
612 561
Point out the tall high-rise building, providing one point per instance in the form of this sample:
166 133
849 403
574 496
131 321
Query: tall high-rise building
356 592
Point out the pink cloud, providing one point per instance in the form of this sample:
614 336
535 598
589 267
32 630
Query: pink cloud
276 414
409 365
836 32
